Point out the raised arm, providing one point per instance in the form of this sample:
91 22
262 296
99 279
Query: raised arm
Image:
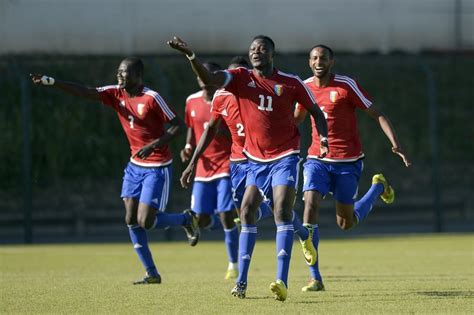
389 131
206 138
218 78
176 127
68 87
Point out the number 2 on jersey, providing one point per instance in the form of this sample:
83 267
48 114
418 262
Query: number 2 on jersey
240 130
130 117
266 107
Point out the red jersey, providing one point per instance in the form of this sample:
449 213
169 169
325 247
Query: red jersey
338 101
143 118
224 104
266 107
214 162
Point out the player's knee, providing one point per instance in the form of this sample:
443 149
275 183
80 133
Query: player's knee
345 224
145 222
282 215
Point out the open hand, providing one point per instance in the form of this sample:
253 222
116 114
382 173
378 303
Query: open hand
186 176
144 152
399 152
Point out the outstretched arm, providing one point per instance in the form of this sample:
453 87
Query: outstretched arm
206 138
68 87
389 131
218 78
176 127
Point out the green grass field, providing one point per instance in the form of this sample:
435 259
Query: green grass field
400 274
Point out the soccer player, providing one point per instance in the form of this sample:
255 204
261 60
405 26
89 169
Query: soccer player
339 171
266 98
212 191
147 180
225 108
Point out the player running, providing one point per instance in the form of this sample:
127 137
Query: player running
339 171
212 191
225 108
142 113
266 97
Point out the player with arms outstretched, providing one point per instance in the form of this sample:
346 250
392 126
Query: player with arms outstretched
339 171
143 114
266 98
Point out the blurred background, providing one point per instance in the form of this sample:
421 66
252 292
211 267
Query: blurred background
62 158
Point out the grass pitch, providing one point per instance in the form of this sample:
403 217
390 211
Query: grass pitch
414 274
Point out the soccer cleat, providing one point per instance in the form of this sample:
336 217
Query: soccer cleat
388 195
239 289
313 285
279 290
149 280
309 252
231 274
192 229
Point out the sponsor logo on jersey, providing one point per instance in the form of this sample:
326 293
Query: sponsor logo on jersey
251 84
278 88
140 108
333 96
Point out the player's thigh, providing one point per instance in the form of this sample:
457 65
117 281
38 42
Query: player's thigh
316 177
132 181
238 176
131 210
146 215
156 188
259 175
345 179
204 198
312 202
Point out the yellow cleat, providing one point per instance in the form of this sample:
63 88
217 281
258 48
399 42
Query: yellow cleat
279 290
309 252
388 195
231 274
313 285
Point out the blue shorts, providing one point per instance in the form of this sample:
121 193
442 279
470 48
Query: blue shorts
150 185
238 176
211 197
265 176
340 179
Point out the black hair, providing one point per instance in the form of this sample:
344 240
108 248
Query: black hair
265 38
212 66
239 61
136 63
331 53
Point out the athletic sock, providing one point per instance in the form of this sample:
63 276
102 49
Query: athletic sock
363 207
164 220
140 244
314 269
247 238
300 230
284 245
232 244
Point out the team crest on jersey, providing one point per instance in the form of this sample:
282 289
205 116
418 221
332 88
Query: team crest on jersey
333 96
278 88
140 109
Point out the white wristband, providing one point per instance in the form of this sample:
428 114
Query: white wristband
188 146
45 80
192 57
323 139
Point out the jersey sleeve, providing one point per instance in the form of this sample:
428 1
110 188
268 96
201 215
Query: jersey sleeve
163 109
108 95
358 96
187 115
219 103
232 80
304 97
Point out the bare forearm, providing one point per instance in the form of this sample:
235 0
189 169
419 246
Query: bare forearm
171 133
389 131
321 123
77 90
206 138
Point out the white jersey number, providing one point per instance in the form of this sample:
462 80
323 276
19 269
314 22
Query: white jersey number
240 130
266 107
130 117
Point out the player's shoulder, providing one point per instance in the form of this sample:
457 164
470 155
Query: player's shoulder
222 93
345 80
152 94
289 77
194 96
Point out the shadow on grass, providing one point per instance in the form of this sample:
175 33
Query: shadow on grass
467 294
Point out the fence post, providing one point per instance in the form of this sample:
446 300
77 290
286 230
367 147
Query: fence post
434 143
26 169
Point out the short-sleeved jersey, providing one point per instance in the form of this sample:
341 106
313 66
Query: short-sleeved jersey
214 162
143 119
338 101
225 106
266 108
